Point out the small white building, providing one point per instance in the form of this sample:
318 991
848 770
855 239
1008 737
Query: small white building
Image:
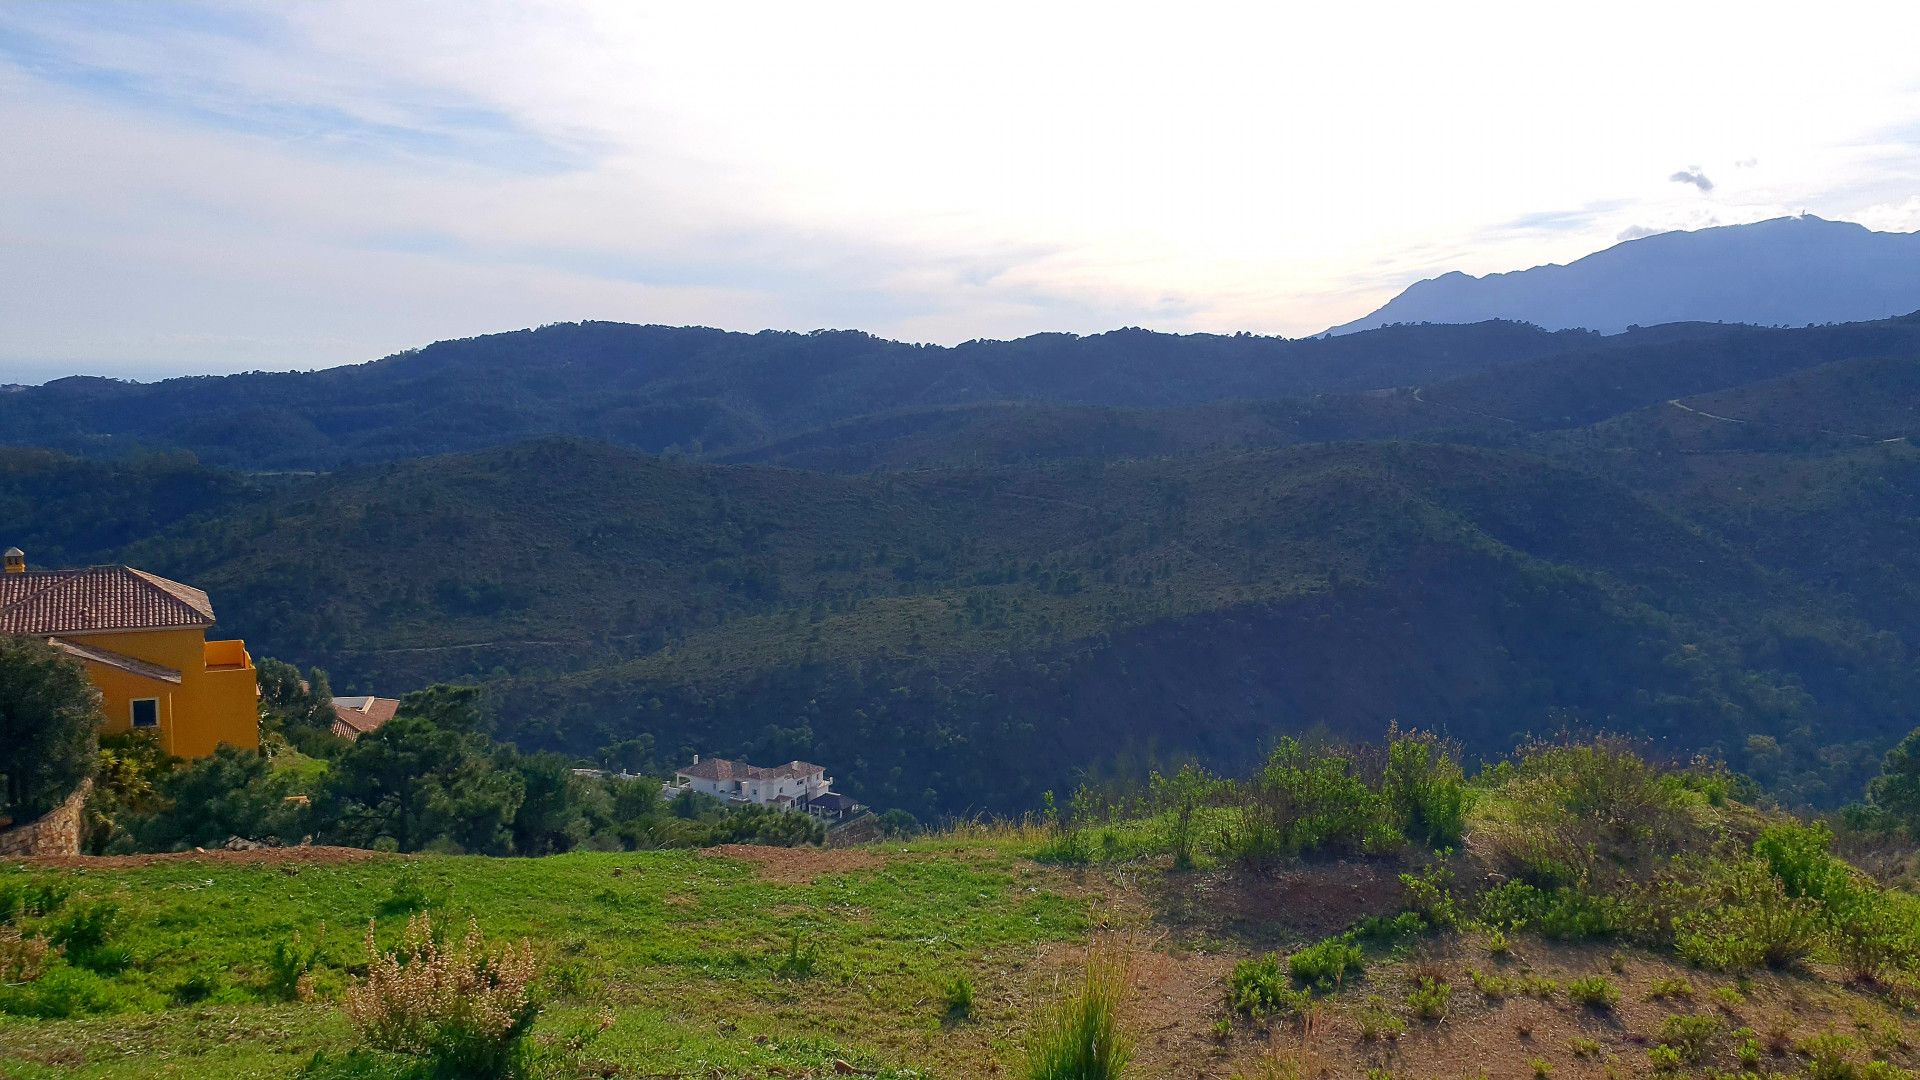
793 786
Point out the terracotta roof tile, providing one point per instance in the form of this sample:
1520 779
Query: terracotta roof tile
96 599
355 716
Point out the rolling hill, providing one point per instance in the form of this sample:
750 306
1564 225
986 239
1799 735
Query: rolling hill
1788 271
964 638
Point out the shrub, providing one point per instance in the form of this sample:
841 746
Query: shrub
61 992
1584 1047
25 899
1325 965
465 1010
1669 986
82 932
1542 1068
1562 912
1081 1038
1429 997
1429 895
1425 791
1303 802
1738 916
1663 1058
1690 1035
1594 991
1259 988
22 960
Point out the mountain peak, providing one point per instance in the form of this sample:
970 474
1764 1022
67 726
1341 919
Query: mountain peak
1781 271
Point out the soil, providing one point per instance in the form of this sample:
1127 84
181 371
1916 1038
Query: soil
796 865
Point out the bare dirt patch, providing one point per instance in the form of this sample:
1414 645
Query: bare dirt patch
796 866
286 856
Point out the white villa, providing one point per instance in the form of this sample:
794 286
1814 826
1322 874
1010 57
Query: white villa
797 785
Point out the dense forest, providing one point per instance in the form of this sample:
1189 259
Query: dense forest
963 576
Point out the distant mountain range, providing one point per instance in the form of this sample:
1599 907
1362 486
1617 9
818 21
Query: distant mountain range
1788 271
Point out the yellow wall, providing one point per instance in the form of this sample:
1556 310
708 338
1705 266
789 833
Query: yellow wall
216 700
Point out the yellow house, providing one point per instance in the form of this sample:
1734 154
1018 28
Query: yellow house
143 642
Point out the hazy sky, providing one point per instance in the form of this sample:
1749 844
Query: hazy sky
198 188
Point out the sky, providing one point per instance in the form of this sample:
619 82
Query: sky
203 188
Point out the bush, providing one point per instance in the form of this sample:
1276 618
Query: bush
62 992
1425 791
1736 916
1690 1035
1594 991
82 933
465 1011
1080 1038
1306 802
1260 988
1562 912
1325 965
22 960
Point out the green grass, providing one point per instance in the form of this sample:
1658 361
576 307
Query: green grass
688 950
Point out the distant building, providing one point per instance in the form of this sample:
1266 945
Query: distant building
797 785
355 716
143 642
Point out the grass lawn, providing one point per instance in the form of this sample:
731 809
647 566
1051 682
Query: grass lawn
682 946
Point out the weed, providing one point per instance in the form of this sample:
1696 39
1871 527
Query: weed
1583 1047
1542 1068
796 963
1735 915
1690 1035
958 994
1492 987
22 959
290 968
1259 988
408 895
1595 992
1429 896
1428 999
1830 1056
1325 965
1669 987
1497 944
1081 1038
1748 1051
466 1010
1378 1022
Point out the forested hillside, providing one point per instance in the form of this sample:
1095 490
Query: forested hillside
1704 535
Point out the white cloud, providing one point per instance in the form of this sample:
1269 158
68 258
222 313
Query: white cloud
304 184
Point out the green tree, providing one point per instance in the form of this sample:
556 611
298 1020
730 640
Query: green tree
1896 791
49 724
228 793
427 777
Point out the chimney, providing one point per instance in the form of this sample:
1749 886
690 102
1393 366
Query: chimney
696 759
16 561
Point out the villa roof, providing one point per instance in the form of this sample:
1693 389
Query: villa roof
355 716
129 664
722 769
98 599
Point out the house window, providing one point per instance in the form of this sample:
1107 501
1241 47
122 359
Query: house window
146 712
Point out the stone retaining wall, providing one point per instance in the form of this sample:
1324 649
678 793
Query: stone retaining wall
56 833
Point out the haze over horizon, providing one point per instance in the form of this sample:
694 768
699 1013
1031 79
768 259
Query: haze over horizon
326 184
